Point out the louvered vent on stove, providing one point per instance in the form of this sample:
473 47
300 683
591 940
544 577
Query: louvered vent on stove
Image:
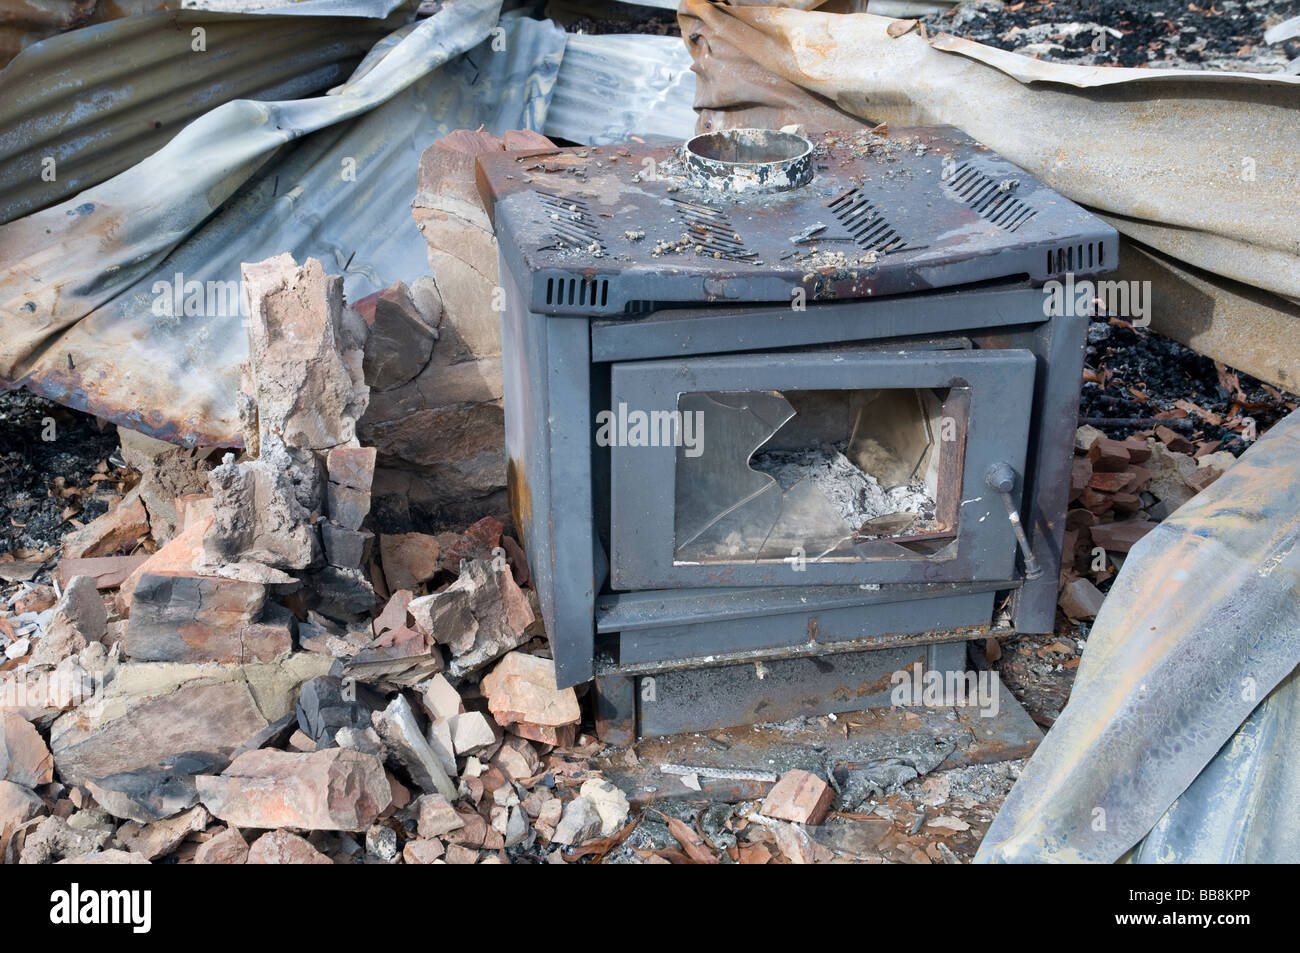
1083 257
571 222
865 223
988 198
711 230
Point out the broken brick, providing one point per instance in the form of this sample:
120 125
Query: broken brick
1173 440
334 789
480 616
227 847
522 688
436 817
193 618
409 559
282 847
1080 599
800 797
24 758
1119 537
117 529
477 542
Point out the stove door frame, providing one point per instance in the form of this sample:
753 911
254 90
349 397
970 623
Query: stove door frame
643 479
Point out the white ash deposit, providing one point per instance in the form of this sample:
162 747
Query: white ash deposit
854 494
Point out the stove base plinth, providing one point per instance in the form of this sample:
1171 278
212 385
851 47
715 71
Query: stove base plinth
730 760
776 690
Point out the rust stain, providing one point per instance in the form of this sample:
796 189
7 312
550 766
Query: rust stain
520 497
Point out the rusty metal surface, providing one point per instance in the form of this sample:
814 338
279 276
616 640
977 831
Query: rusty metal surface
77 304
101 99
25 22
1199 164
854 739
1202 622
809 649
602 228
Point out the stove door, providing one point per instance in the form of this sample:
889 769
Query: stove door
815 468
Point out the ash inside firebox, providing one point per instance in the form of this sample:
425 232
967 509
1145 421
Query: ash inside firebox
854 494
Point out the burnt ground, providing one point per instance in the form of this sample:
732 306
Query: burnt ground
1135 375
1220 34
40 479
627 18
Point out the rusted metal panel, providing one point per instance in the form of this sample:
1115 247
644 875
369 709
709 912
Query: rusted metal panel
79 307
612 227
24 23
82 107
739 764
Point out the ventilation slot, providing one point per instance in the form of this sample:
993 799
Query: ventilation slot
1076 258
987 198
865 223
571 222
710 230
577 292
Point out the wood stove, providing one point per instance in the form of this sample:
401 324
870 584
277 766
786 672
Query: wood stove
784 416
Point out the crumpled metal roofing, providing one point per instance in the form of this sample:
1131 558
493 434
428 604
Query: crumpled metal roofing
612 87
1201 165
86 295
102 98
25 22
1202 621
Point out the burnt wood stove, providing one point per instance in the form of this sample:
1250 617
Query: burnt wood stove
784 416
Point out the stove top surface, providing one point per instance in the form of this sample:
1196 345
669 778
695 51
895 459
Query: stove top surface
624 229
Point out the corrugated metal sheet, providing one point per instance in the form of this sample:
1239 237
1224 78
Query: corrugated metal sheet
24 22
612 87
1200 624
98 100
89 291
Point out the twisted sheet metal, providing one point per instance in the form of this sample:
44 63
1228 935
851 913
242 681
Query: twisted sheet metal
1200 165
102 98
1202 621
1242 808
66 336
612 87
77 303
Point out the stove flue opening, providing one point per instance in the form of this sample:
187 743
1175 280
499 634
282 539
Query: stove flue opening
748 160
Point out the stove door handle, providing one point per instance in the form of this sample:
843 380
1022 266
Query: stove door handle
1001 478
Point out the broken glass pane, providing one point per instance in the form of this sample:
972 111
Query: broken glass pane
808 474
